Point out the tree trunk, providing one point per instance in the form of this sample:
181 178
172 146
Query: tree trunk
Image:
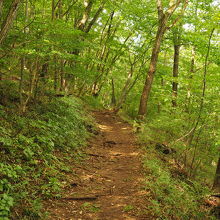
113 99
191 73
162 27
56 74
62 81
1 6
175 73
96 16
124 92
216 185
60 9
9 19
81 25
53 10
202 101
44 69
152 68
21 83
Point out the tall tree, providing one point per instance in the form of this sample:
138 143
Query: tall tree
163 19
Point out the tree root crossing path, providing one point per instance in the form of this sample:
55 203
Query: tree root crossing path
109 184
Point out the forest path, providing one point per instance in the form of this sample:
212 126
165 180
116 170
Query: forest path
110 182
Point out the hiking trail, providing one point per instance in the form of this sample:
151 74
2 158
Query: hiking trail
109 184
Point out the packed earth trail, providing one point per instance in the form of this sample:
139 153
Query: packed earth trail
109 184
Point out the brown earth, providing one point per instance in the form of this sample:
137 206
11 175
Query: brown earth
109 184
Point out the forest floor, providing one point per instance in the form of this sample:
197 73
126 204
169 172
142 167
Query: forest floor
109 183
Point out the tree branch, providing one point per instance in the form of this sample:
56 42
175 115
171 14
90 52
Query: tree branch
160 9
172 8
179 16
92 22
70 7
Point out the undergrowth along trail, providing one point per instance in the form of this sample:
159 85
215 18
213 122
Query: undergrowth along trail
109 183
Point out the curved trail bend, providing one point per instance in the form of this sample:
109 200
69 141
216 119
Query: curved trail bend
109 184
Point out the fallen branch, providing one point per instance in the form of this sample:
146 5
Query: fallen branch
96 155
84 198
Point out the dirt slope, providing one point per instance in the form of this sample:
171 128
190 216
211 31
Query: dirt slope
109 184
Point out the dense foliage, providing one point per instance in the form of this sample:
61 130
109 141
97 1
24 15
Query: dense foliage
107 51
36 149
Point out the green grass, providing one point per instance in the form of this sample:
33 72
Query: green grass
87 206
128 208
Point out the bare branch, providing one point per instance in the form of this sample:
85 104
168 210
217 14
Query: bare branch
57 4
173 7
179 16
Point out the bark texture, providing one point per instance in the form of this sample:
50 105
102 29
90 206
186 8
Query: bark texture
152 67
9 20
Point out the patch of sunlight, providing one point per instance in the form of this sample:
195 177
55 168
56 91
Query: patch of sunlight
104 127
128 217
87 177
134 154
124 128
119 153
142 192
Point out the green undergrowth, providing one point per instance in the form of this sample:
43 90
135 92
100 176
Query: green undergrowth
93 102
178 187
172 195
198 152
36 150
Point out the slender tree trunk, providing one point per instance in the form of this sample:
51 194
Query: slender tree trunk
216 185
62 84
9 19
53 10
192 66
123 95
94 19
175 73
192 70
23 61
103 54
44 69
1 7
113 100
60 9
125 89
21 83
152 68
203 91
56 74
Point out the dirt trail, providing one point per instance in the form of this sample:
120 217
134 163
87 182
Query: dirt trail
110 180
